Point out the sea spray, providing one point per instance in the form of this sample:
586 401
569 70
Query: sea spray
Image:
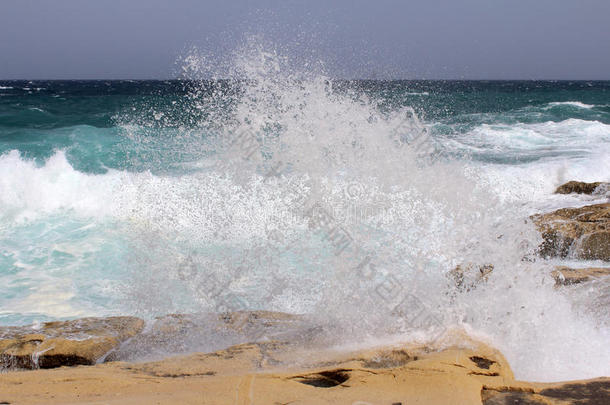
251 239
210 196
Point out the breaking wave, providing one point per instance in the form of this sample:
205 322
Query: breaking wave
305 196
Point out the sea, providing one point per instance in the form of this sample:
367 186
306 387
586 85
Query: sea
349 201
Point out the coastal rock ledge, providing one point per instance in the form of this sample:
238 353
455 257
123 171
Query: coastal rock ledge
580 187
272 372
564 275
582 233
66 343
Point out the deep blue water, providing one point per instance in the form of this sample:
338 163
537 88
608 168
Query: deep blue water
87 119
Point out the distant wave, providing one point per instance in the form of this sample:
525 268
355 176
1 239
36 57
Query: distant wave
571 103
525 143
568 133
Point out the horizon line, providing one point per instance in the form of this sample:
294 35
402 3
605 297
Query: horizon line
330 78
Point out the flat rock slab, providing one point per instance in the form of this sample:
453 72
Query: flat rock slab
580 187
582 233
567 276
177 334
66 343
280 373
593 392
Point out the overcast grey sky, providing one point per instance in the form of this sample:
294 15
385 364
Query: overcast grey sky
430 39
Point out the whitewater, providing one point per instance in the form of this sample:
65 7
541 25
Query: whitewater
196 196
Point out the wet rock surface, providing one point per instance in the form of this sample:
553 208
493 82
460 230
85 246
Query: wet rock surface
467 276
65 343
595 392
177 334
580 187
582 233
567 276
285 371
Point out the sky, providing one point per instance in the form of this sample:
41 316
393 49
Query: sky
384 39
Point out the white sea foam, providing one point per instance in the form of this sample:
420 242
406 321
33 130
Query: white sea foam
568 135
536 158
539 157
28 191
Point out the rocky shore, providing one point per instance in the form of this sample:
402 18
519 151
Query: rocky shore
270 372
69 343
582 233
577 233
91 360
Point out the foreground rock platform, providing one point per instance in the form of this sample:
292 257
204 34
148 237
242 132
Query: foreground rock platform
66 343
283 372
